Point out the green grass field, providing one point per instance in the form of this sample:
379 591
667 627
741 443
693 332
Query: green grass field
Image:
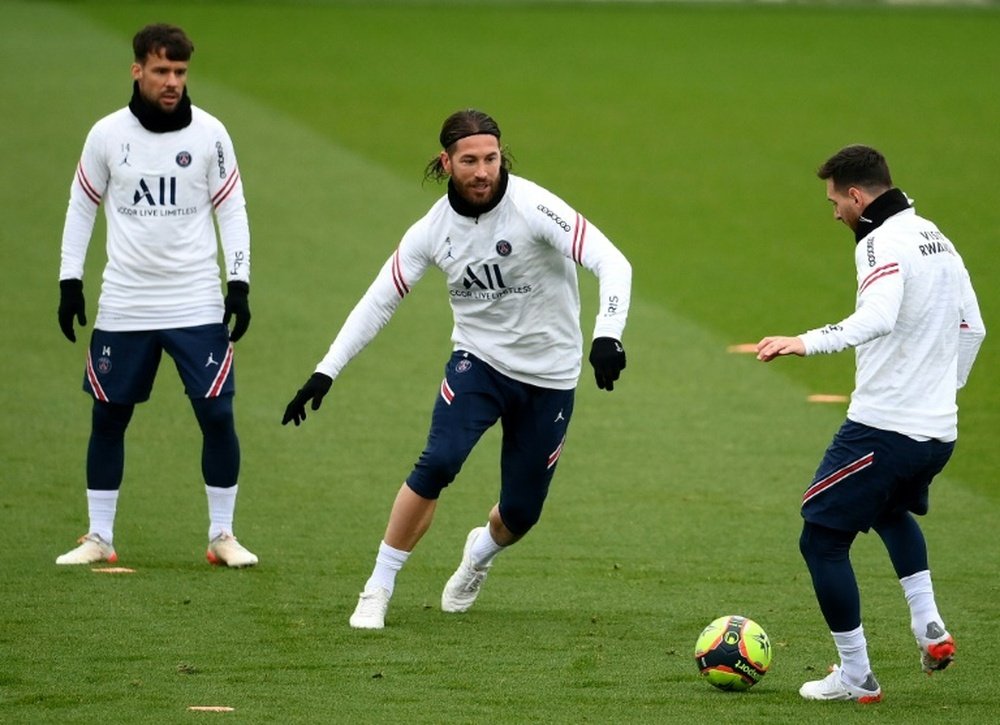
689 134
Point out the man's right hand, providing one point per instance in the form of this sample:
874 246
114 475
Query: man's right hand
71 304
317 386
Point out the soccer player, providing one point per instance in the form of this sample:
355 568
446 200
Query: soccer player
916 329
509 251
161 167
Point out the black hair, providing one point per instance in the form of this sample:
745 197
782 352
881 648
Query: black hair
857 165
159 36
468 122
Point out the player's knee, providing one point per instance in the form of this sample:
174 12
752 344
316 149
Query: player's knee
520 518
441 464
819 543
110 420
215 416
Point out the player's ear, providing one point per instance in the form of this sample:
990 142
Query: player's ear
445 162
136 71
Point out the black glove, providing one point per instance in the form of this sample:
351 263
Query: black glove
71 304
238 305
315 388
608 358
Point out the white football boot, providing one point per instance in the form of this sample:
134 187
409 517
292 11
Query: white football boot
225 550
937 649
92 549
835 687
372 606
463 587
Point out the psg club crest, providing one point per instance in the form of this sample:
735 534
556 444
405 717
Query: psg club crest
184 159
103 365
463 366
503 248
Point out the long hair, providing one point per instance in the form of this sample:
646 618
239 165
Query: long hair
468 122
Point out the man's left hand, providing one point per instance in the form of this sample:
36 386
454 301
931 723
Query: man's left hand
237 305
608 358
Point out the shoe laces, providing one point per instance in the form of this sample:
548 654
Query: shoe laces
474 579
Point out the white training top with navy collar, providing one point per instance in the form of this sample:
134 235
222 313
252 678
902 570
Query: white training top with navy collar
159 192
916 328
511 281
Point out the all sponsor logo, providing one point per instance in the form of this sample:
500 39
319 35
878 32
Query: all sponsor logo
489 277
156 197
486 282
166 188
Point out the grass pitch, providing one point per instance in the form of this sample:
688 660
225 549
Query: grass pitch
690 135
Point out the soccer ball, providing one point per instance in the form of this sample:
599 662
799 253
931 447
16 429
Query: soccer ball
733 653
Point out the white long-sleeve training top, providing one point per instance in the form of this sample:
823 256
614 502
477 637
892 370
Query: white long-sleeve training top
916 328
159 192
511 281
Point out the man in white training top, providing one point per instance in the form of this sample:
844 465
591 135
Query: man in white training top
509 250
916 330
161 167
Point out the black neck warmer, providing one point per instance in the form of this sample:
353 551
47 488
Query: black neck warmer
466 208
889 203
155 120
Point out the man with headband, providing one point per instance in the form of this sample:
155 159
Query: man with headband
509 250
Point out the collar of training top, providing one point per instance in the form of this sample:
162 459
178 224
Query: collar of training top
890 203
155 120
463 206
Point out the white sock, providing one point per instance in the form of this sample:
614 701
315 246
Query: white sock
484 549
221 507
853 649
919 594
101 507
387 564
